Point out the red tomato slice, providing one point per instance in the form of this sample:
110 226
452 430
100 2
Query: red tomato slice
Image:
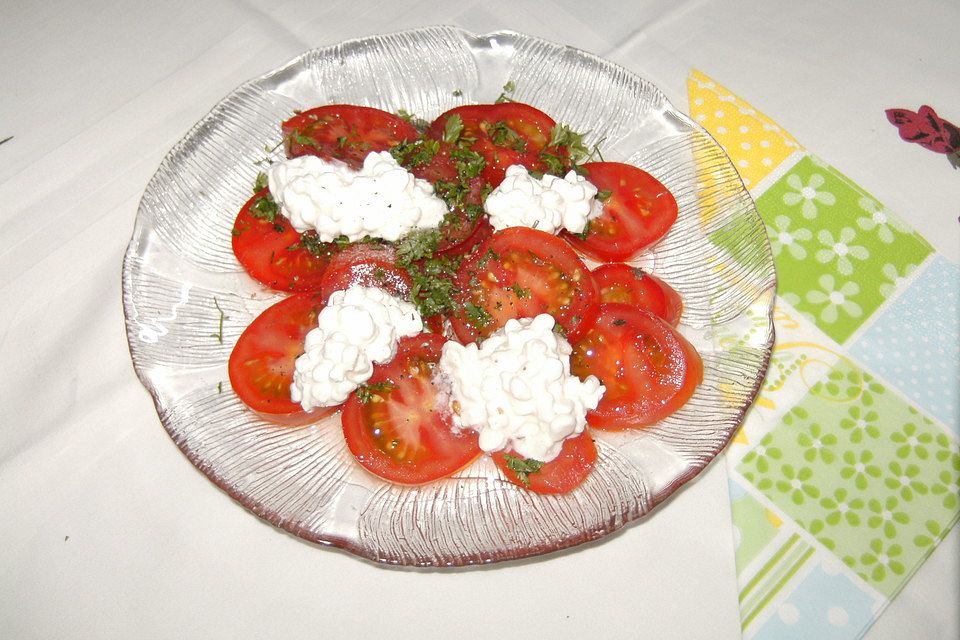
504 134
262 362
480 234
521 273
639 212
649 370
400 433
562 474
272 252
344 132
631 285
365 264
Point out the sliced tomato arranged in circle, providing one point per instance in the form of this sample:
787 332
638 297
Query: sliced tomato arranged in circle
561 475
638 212
262 362
368 265
344 132
521 273
273 252
631 285
649 369
504 134
396 427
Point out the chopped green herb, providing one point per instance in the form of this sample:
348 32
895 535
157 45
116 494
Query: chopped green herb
586 231
219 334
619 322
520 291
374 392
260 183
558 328
265 208
487 257
457 93
417 245
503 136
638 273
416 153
604 195
477 316
312 243
220 387
523 467
453 128
508 89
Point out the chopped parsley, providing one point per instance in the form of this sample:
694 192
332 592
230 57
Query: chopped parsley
604 195
419 123
417 153
519 291
503 136
476 316
508 89
431 276
260 183
523 467
265 208
453 129
374 392
219 334
457 93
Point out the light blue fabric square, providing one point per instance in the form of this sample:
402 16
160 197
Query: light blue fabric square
824 606
914 342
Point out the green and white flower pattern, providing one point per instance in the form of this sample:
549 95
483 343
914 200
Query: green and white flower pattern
880 492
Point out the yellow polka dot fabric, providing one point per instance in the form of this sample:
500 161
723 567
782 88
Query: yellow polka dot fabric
755 143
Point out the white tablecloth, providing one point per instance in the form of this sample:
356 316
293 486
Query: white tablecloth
108 531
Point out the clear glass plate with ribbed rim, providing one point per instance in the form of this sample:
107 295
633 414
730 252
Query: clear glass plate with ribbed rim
179 273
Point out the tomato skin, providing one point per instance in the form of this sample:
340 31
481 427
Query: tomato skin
368 265
399 435
562 474
638 213
622 283
649 369
531 131
344 132
520 273
271 253
261 364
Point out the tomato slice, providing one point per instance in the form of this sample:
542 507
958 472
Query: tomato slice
649 370
398 431
273 252
504 134
562 474
631 285
521 273
365 264
344 132
262 362
639 212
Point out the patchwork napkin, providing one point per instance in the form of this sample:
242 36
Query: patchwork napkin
844 476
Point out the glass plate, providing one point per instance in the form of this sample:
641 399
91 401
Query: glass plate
179 274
